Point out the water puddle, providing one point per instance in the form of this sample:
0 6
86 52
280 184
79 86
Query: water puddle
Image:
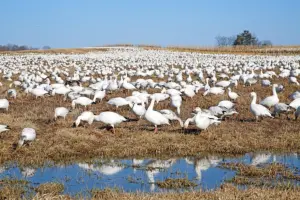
143 175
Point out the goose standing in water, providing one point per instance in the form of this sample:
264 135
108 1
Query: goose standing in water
271 100
155 117
27 135
110 118
258 110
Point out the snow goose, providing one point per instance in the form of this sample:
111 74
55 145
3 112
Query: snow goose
118 101
138 109
214 90
160 97
271 100
171 116
226 104
12 93
4 128
4 104
176 101
232 95
281 108
155 117
100 94
38 92
293 79
202 120
84 101
110 118
294 95
258 110
86 116
295 103
60 112
27 135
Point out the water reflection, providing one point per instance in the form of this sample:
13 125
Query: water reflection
142 174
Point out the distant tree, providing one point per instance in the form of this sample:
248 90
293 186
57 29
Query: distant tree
46 47
225 41
266 43
246 38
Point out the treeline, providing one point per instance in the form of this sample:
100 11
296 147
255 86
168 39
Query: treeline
246 38
14 47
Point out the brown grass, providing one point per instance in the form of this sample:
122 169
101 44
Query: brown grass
50 188
59 142
170 183
226 192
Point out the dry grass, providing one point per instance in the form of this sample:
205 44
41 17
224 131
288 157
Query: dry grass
59 142
226 192
268 176
50 188
170 183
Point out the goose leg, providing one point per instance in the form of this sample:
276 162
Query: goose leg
155 130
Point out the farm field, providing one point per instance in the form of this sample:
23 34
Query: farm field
225 136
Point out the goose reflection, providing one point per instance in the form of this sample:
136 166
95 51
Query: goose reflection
261 158
136 163
154 168
107 169
28 172
203 164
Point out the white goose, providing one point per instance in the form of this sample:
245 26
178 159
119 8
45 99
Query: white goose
118 101
86 116
232 95
100 94
84 101
271 100
27 135
61 112
295 104
202 120
4 128
171 116
138 109
155 117
258 110
110 118
4 104
176 101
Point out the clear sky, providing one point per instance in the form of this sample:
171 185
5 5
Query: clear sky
82 23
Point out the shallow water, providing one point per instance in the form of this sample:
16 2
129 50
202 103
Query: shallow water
141 175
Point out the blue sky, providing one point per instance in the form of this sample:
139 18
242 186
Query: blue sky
79 23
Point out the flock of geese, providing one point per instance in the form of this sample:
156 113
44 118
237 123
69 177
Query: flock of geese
86 79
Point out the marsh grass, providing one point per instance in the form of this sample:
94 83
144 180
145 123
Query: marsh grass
50 188
226 192
176 183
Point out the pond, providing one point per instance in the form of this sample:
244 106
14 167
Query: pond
142 175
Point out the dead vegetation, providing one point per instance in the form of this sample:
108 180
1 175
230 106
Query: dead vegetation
226 192
50 188
57 141
170 183
267 176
